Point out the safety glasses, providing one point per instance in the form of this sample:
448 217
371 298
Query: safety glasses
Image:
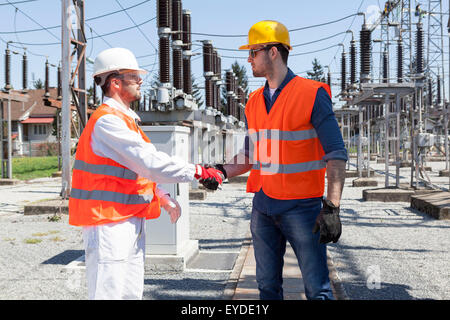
130 77
252 52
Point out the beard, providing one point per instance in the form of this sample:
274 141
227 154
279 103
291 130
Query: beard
133 94
263 68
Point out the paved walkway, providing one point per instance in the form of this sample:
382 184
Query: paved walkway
247 288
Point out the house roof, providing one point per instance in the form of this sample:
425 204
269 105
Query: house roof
34 108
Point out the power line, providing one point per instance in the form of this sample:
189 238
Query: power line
323 49
95 37
324 24
33 20
5 4
132 20
59 26
290 30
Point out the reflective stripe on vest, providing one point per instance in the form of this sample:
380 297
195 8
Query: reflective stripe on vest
117 197
290 168
280 135
105 169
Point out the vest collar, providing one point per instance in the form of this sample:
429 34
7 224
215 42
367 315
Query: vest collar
117 105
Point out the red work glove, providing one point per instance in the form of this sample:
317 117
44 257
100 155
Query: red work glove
210 177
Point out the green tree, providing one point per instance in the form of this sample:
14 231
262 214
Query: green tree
317 72
90 95
38 84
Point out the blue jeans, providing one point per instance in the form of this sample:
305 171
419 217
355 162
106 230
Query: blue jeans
270 232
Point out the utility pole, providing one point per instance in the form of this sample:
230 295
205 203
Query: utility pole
65 108
68 88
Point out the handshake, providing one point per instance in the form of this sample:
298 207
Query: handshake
210 176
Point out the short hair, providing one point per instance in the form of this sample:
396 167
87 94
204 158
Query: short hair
104 85
284 52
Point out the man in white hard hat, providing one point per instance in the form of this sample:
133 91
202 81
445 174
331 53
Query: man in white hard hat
114 183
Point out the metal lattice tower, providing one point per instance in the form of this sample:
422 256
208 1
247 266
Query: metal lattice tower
435 42
407 38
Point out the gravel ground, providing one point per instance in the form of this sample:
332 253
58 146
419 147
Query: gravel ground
386 251
390 251
35 251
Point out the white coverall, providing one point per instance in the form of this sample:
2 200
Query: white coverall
115 252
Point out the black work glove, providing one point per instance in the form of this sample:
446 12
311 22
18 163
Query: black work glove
211 183
328 222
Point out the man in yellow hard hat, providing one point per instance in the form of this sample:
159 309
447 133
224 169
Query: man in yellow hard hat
293 140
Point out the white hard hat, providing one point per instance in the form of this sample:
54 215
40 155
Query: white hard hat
115 59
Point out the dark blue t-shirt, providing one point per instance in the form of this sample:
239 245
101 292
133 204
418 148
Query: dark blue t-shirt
329 134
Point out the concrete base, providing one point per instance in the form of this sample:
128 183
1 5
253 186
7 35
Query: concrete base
8 182
443 173
405 164
57 174
435 204
354 174
197 194
168 262
388 195
351 174
365 182
50 206
435 159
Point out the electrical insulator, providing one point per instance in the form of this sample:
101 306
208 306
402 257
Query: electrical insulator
438 91
352 62
24 71
187 29
236 97
47 80
187 77
241 95
229 103
177 56
214 61
366 45
228 75
164 13
177 20
164 63
400 61
419 49
7 69
219 67
430 92
385 67
187 80
207 58
208 93
343 73
59 89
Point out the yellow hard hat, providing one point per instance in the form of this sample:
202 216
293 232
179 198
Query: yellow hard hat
267 31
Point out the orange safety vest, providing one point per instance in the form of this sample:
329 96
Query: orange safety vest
103 190
284 148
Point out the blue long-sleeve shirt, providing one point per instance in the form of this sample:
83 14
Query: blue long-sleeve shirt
326 126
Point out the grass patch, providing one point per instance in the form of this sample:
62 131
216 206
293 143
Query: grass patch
34 167
39 234
57 239
32 240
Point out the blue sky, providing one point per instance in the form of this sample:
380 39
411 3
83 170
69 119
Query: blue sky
215 17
